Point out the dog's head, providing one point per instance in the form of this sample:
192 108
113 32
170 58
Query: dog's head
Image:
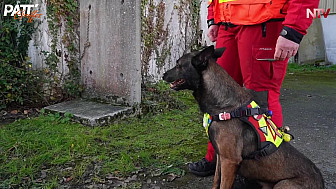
187 73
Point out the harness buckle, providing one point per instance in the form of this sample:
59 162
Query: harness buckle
245 112
263 152
224 116
248 112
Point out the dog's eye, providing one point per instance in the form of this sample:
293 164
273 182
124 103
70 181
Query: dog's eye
178 66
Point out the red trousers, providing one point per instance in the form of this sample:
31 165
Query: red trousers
244 46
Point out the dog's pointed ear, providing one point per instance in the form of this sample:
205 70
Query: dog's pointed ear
219 52
200 60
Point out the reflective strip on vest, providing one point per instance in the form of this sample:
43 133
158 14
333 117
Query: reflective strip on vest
267 132
207 122
265 127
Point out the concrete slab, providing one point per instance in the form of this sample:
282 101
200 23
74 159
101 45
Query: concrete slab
92 113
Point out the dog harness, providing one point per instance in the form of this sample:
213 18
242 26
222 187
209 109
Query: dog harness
269 135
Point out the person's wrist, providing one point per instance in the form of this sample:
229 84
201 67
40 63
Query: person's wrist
291 34
211 22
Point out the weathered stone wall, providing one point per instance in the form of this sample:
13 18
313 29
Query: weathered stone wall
170 28
329 37
41 38
40 45
110 67
312 46
128 44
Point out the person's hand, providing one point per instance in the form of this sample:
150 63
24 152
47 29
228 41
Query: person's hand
213 32
285 49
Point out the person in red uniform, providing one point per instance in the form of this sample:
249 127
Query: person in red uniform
260 36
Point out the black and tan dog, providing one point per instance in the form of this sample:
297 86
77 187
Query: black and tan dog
233 140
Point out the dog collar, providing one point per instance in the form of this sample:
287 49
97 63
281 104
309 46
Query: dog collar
244 111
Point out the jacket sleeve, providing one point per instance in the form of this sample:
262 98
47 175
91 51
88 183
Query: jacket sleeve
211 11
296 17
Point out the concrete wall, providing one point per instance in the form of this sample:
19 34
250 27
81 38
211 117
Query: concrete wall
180 31
39 46
128 44
40 39
111 66
312 46
328 4
329 30
203 23
319 45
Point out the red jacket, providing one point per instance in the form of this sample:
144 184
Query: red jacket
294 12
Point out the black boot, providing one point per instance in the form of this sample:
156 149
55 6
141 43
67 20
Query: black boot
203 168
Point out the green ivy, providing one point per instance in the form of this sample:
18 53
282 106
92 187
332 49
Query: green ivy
155 34
17 82
64 13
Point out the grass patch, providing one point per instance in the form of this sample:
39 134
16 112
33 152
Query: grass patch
48 151
44 151
296 68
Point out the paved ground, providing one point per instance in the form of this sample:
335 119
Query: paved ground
309 102
309 109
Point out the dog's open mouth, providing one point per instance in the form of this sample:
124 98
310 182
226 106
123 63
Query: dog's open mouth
177 83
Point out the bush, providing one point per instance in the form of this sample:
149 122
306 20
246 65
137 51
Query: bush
17 86
17 83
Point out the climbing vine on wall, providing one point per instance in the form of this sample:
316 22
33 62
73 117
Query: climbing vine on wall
63 22
153 33
156 35
193 17
195 6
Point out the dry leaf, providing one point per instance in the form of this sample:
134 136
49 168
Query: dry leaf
67 179
14 112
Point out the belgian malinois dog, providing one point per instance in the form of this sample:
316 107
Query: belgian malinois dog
216 92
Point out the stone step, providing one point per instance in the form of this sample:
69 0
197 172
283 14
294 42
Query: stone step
92 113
